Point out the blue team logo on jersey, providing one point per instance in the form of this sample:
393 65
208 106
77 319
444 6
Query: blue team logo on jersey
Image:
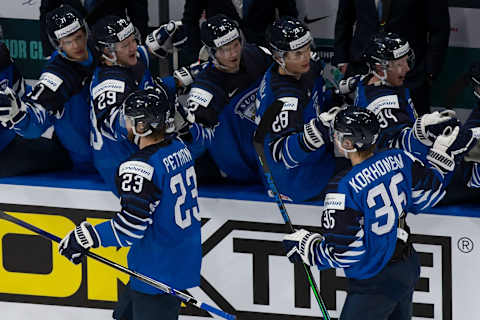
4 84
245 106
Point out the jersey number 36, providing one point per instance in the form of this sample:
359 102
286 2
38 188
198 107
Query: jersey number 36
386 196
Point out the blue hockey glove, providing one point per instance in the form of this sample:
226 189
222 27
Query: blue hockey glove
12 109
300 246
78 241
429 126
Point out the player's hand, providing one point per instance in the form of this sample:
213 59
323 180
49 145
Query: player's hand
78 241
348 85
300 246
184 118
316 133
161 41
439 155
429 126
11 108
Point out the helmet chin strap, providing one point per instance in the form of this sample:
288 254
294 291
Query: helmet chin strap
283 65
345 152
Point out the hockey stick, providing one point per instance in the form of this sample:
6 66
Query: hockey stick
258 141
154 283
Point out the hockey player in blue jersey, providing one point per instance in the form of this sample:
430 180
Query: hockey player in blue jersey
159 219
390 58
60 97
222 101
290 99
19 155
124 68
363 224
472 158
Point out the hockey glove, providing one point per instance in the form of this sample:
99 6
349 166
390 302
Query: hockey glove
184 118
78 241
348 85
300 246
316 133
12 109
429 126
161 41
439 155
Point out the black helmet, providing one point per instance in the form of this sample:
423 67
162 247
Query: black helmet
150 108
384 47
475 77
62 22
359 125
219 30
288 34
110 30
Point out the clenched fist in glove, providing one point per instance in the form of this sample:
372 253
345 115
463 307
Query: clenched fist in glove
318 130
440 155
300 246
78 241
12 109
429 126
161 41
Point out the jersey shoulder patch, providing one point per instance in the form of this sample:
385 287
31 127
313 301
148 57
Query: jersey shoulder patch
51 81
385 102
289 103
138 168
108 85
334 201
200 96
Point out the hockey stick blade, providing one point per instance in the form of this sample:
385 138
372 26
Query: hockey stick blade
154 283
258 141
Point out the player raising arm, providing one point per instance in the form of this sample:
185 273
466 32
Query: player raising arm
60 97
124 68
363 224
159 218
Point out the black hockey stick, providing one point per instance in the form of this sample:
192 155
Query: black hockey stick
258 141
154 283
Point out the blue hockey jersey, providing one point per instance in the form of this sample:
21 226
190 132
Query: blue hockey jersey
9 77
396 114
360 220
109 87
159 218
224 108
60 98
298 172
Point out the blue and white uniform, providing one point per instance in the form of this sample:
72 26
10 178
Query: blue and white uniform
159 218
109 87
224 108
360 221
299 172
9 77
396 114
60 98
